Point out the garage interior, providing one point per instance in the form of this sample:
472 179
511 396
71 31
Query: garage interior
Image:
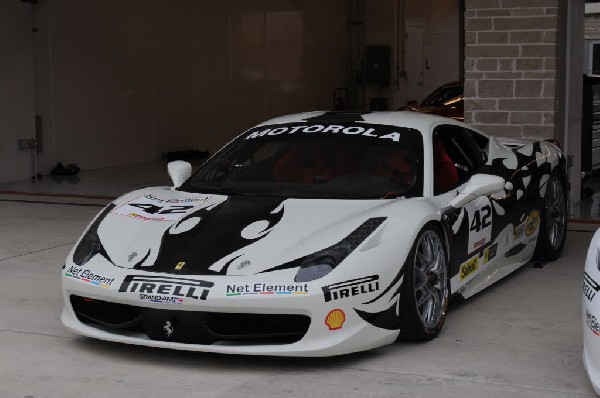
113 86
143 78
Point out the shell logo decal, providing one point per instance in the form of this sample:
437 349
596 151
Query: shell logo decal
532 222
335 319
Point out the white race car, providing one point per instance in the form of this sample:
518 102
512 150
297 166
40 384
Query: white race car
591 312
317 234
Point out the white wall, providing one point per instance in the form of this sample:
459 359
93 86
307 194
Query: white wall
121 82
16 89
441 40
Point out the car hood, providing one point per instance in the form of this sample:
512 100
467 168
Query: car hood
184 233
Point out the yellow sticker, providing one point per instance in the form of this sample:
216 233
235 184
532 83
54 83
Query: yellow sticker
533 220
486 255
180 265
469 268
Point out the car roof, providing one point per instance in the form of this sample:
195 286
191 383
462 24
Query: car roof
419 121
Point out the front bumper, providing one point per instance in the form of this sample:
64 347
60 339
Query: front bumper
274 318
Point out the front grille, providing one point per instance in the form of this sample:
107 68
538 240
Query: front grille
192 327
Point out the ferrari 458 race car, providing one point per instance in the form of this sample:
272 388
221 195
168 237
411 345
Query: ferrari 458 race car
591 313
317 234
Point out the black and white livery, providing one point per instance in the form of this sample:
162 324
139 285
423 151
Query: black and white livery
317 234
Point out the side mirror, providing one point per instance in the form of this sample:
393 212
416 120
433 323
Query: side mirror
179 171
480 185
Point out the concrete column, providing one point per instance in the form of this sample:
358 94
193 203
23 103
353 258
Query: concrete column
570 92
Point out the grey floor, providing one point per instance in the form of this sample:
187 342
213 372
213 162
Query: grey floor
520 338
106 182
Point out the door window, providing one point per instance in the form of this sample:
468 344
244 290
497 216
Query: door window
456 157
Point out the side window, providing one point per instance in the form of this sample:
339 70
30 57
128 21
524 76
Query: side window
482 142
456 156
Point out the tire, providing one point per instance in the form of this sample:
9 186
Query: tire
553 225
425 288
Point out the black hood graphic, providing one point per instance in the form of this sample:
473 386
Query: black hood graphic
216 235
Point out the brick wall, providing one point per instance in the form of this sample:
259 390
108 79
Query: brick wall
592 27
510 66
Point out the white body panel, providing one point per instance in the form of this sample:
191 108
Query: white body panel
591 314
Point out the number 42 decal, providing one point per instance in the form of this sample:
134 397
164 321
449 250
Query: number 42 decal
481 219
145 209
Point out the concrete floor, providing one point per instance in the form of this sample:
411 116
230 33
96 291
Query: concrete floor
520 338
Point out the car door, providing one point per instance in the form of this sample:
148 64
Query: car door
470 229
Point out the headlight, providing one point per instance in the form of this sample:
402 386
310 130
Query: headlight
90 244
321 263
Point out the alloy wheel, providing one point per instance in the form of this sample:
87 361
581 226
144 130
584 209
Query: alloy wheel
556 218
430 279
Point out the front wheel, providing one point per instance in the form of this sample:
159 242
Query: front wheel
553 226
425 288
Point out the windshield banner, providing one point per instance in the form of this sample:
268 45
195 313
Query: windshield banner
381 132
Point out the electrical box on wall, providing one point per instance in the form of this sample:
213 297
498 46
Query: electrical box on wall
377 61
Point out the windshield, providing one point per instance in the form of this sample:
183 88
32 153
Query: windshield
350 160
445 95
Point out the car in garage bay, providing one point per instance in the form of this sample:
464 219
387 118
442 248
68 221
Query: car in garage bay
317 234
447 100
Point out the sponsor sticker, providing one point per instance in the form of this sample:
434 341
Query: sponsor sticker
176 201
161 299
153 208
479 244
532 222
351 288
590 287
247 289
519 231
490 252
592 322
469 267
335 319
364 131
480 222
163 289
87 276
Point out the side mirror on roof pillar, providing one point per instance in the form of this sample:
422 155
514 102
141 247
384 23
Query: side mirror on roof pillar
179 171
480 185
